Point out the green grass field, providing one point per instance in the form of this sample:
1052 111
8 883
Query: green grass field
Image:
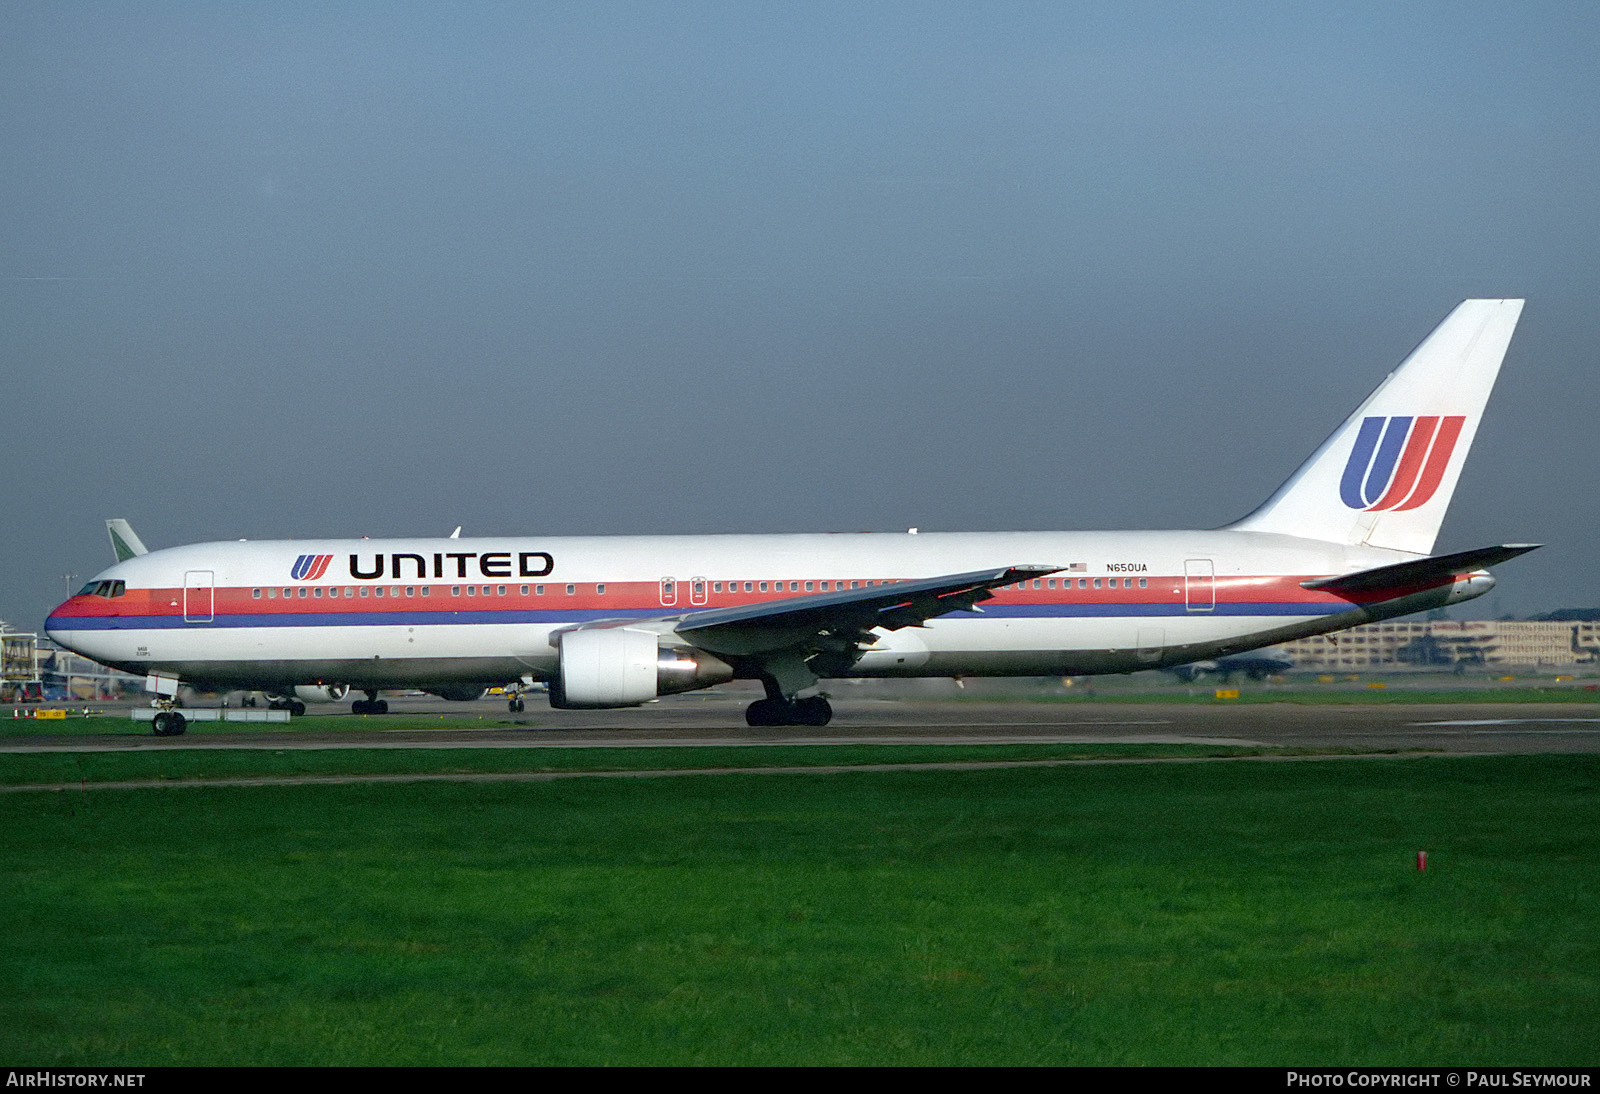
179 765
1265 913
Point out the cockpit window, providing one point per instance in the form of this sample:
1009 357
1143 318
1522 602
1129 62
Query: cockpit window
104 588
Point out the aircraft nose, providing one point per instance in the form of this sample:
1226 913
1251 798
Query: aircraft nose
59 626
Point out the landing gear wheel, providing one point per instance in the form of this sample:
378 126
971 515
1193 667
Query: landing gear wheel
815 711
515 706
297 708
763 712
169 723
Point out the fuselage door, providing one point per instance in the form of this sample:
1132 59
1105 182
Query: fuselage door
199 596
1199 585
697 591
669 592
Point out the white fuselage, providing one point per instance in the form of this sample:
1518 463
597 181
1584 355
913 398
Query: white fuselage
444 612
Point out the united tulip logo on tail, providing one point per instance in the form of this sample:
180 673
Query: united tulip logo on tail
1397 462
310 567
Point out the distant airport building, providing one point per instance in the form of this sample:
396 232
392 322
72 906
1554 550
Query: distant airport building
19 666
34 669
1447 643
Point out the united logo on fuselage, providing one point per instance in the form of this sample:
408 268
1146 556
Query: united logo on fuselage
1398 462
310 567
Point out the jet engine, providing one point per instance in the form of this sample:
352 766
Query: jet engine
621 667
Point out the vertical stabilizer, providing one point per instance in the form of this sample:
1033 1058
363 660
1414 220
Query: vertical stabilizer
1385 477
124 544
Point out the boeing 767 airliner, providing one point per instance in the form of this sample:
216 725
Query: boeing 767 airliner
616 621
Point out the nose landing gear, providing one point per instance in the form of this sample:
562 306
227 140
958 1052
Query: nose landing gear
169 723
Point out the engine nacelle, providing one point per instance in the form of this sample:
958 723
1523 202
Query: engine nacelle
321 693
620 667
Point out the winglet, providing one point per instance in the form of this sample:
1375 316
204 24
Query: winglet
124 544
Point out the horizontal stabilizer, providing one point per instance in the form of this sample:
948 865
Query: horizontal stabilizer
1420 572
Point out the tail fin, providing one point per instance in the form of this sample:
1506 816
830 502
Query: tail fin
124 544
1385 477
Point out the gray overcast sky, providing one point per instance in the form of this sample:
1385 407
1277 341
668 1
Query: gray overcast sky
273 269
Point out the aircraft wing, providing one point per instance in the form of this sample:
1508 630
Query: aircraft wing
1419 572
837 622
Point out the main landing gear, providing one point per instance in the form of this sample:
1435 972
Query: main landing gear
370 705
813 711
